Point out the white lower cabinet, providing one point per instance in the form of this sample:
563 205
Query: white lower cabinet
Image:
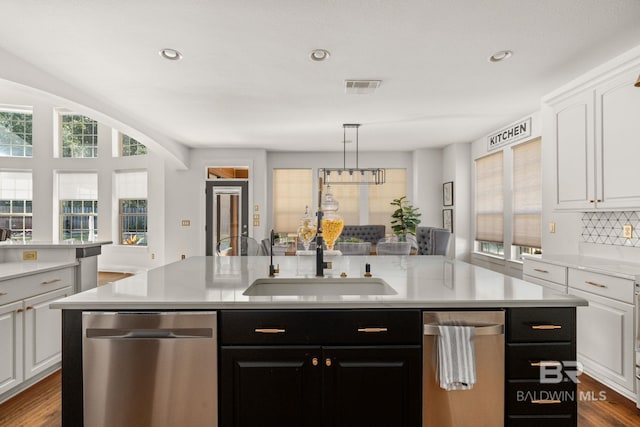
11 346
605 330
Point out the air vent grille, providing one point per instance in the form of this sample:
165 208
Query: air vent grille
361 87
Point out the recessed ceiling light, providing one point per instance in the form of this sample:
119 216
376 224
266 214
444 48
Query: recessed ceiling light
170 54
500 56
319 55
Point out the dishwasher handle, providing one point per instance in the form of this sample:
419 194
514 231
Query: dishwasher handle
125 334
481 330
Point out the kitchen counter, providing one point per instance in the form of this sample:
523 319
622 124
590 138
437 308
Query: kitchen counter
12 270
219 283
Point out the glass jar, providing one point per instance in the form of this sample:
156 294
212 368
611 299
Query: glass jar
332 223
307 229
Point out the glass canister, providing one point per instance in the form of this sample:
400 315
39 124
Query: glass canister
307 229
332 223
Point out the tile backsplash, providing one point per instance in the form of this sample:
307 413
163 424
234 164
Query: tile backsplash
606 228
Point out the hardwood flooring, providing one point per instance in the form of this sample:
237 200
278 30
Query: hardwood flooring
39 406
108 276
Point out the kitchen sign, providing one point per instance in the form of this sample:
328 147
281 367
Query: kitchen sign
508 135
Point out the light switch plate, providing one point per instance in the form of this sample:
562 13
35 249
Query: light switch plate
552 227
186 222
627 231
29 255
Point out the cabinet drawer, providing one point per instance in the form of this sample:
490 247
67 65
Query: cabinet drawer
542 270
523 360
531 398
602 284
541 324
35 284
327 327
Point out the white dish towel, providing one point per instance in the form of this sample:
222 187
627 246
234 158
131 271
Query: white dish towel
456 357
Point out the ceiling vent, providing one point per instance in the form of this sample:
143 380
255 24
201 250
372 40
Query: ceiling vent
361 87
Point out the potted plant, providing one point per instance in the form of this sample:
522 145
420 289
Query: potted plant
405 218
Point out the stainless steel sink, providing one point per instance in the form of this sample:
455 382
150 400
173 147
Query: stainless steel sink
319 286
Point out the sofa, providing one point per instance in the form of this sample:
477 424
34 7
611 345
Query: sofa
366 233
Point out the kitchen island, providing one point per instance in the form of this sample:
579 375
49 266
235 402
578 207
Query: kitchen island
278 348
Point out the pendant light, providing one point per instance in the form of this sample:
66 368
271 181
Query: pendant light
354 175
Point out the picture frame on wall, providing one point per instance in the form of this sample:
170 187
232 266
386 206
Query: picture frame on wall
447 193
447 219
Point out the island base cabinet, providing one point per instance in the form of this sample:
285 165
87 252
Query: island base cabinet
312 386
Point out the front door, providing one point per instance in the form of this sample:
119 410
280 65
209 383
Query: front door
227 212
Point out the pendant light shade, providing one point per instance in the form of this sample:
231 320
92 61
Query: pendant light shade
354 175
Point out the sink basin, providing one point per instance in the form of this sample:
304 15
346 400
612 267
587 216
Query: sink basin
319 286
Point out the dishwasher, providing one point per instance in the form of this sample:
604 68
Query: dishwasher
483 405
150 368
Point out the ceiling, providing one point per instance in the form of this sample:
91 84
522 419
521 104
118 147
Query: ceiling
246 79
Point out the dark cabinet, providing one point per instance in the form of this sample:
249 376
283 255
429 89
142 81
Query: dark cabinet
316 379
540 367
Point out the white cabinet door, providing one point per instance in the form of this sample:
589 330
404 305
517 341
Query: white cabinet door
43 332
11 344
618 142
574 146
605 340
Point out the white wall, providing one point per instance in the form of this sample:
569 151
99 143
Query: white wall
457 168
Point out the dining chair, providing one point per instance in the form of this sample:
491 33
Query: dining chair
387 247
238 246
354 248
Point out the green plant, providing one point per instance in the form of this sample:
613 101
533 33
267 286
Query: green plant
405 218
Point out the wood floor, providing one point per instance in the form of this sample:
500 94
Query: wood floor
39 406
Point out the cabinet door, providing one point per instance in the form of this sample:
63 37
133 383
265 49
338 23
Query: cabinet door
43 332
617 147
11 356
574 145
372 386
274 386
605 339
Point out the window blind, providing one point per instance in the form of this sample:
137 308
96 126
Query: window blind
380 197
527 194
292 191
131 185
15 185
348 197
77 186
490 198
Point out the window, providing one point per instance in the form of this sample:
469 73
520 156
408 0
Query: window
15 134
78 219
131 190
490 204
78 201
131 147
348 198
133 222
527 197
79 136
292 191
380 197
16 209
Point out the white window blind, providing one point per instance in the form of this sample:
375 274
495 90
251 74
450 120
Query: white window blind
348 197
292 191
490 198
15 185
380 197
131 184
77 186
527 194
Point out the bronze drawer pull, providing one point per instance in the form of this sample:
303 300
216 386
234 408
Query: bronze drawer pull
2 294
314 361
546 363
270 331
48 282
545 401
327 361
588 282
546 327
539 270
372 330
30 307
19 310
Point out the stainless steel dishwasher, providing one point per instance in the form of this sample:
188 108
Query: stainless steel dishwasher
150 369
483 405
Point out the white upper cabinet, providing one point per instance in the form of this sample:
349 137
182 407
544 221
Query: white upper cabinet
618 142
596 142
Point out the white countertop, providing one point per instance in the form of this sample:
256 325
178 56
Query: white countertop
219 282
625 270
11 270
11 244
